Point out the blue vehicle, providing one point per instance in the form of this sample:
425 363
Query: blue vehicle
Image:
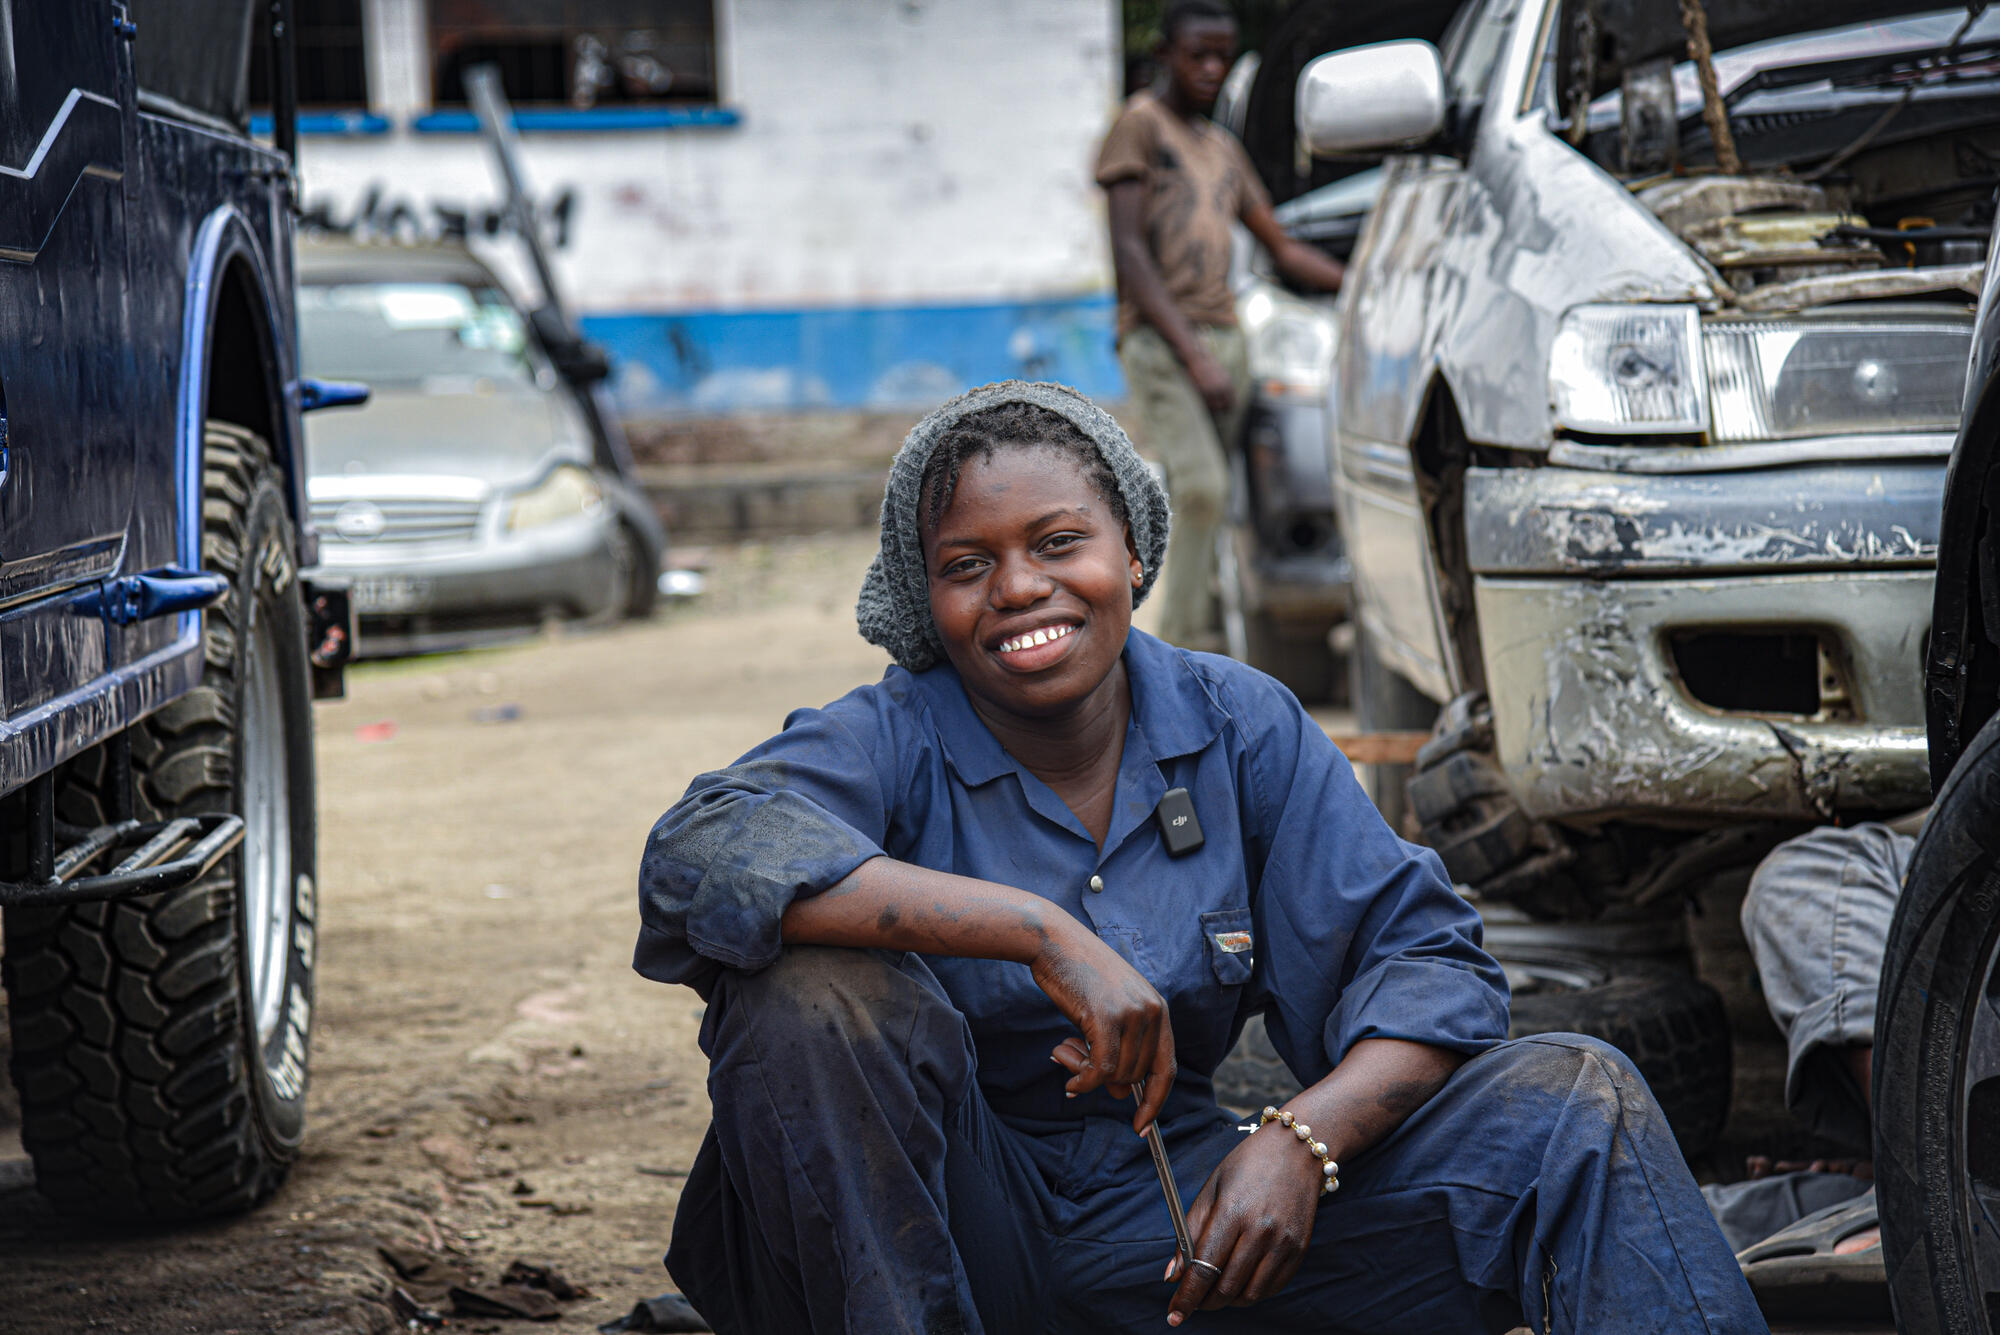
159 649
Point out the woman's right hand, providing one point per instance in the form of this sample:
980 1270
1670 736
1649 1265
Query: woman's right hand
1126 1035
888 905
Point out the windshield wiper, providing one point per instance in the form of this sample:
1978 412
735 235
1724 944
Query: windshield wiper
1902 68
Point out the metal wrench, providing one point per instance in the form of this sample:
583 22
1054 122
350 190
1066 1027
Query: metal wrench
1166 1171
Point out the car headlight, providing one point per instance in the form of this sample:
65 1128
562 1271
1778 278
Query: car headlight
1781 379
1628 370
568 492
1290 343
1662 370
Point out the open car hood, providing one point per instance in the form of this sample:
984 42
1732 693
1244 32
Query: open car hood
1309 30
1620 32
1630 32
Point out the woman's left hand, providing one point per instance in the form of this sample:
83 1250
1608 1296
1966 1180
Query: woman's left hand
1253 1219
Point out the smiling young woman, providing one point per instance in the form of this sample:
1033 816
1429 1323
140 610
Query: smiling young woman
943 942
1032 572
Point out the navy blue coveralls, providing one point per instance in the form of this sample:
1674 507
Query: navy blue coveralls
891 1148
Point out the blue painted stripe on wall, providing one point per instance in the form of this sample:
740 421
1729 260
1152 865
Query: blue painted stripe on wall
339 123
532 120
699 363
529 121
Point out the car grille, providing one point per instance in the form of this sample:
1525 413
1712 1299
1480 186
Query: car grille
395 519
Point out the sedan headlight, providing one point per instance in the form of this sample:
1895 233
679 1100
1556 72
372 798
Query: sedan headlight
1628 370
1662 370
568 492
1290 342
1781 379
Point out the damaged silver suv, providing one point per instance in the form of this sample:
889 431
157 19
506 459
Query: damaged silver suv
1644 399
1650 360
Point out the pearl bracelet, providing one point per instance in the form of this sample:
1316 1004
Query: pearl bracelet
1329 1170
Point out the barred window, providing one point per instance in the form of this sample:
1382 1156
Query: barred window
333 71
577 53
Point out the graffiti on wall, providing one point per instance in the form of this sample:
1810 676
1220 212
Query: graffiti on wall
381 214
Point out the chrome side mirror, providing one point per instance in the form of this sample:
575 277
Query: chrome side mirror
1371 99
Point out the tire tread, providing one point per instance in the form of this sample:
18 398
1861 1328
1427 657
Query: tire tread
128 1049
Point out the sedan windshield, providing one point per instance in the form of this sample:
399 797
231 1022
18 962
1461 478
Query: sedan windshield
434 335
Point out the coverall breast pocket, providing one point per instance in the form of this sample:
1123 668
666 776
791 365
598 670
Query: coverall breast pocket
1231 948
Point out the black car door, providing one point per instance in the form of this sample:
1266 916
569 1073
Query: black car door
66 360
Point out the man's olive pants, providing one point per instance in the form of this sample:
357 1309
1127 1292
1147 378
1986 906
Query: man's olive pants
1191 444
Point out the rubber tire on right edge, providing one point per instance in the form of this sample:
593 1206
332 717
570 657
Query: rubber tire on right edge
1670 1023
1935 977
145 1093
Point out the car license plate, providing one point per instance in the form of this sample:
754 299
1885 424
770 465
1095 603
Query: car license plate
390 593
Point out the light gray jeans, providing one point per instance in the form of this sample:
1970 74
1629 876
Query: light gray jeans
1817 919
1191 444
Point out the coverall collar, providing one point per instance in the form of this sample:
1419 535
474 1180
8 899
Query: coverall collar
1172 714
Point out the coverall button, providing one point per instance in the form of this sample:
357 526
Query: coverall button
1097 884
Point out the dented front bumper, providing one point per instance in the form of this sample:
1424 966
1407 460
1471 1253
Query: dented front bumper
1684 646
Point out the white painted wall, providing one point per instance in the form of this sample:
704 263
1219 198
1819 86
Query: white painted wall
891 152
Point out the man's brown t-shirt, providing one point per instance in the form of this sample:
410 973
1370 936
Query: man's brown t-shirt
1197 181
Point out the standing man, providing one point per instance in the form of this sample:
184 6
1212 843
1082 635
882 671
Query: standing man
1176 181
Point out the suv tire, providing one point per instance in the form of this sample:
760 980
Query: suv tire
1670 1023
159 1043
1937 1061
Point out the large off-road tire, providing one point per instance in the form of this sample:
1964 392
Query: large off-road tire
1937 1062
1670 1023
1461 800
159 1043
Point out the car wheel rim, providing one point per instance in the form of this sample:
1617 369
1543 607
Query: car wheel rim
1530 979
267 820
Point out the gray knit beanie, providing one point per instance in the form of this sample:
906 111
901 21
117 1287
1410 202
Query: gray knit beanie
895 606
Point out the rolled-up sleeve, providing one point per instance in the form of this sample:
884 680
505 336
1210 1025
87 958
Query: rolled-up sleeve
788 820
1361 935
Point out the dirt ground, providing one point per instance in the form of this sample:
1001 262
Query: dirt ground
491 1081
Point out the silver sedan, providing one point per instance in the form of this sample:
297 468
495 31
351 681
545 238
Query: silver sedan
469 501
